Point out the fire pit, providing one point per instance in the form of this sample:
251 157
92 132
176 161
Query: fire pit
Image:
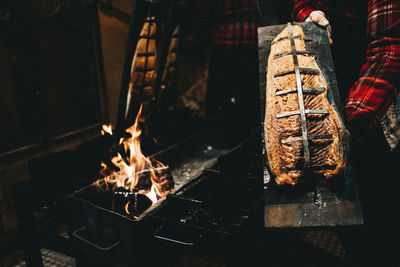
209 205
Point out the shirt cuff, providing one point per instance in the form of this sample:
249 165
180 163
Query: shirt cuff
303 14
359 122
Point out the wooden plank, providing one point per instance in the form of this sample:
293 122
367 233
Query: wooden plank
318 203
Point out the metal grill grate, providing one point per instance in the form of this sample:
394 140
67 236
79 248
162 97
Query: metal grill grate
302 111
306 149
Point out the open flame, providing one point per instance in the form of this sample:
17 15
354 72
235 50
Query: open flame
135 172
106 129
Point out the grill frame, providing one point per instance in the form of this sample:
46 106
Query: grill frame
153 228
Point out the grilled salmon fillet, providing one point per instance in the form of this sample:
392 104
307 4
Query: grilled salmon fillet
284 136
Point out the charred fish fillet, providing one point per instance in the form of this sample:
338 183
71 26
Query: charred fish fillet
143 71
302 129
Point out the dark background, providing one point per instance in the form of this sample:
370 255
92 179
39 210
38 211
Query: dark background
61 65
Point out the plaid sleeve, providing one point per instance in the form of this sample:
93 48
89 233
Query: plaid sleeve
378 84
302 8
236 23
376 88
383 18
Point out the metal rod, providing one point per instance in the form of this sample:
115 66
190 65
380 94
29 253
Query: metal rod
313 89
292 140
297 52
298 112
305 89
301 70
316 111
287 91
310 137
307 158
287 114
174 240
172 196
315 167
307 39
320 137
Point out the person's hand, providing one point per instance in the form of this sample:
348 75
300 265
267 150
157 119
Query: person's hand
318 17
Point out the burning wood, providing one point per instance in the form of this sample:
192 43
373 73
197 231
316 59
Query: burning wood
133 173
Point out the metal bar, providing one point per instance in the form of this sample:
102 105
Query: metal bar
310 137
301 70
298 112
90 243
292 140
305 89
308 70
307 157
320 137
172 196
315 167
174 240
290 53
194 226
316 111
287 114
305 38
313 89
287 91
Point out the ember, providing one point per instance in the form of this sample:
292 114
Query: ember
134 175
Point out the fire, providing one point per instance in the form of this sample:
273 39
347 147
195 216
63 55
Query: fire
135 172
106 129
127 207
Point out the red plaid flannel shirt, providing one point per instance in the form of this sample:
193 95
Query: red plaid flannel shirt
378 84
236 23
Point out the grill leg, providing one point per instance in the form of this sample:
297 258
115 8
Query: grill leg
26 224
